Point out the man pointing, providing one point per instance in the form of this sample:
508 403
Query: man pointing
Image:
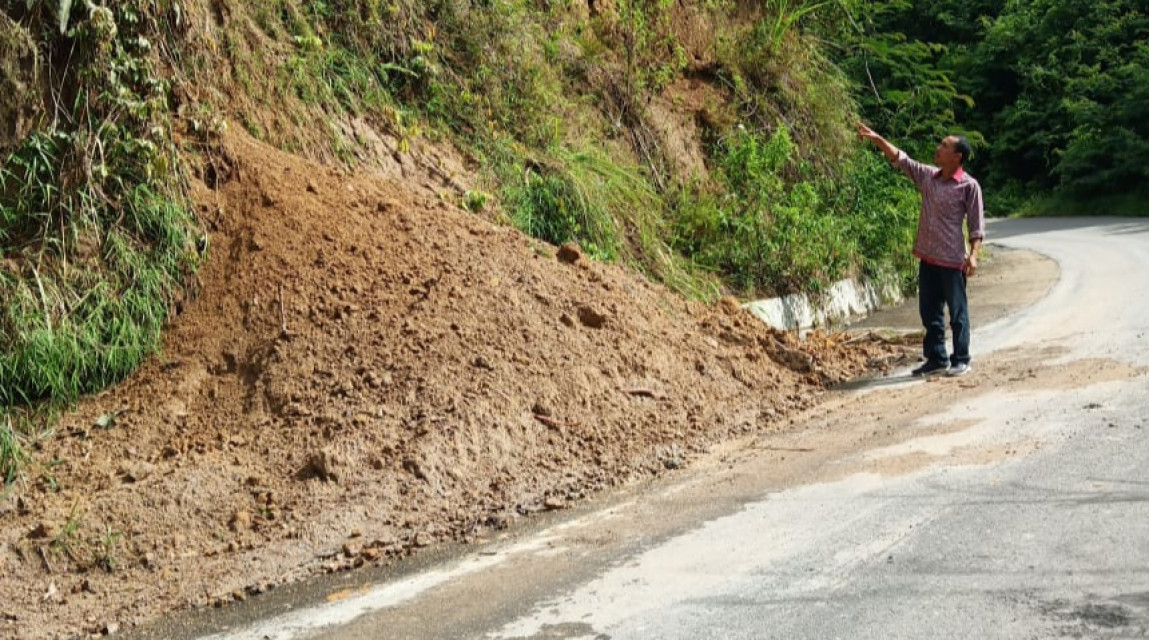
950 196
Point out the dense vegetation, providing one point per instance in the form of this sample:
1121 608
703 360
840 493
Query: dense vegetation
565 106
1056 92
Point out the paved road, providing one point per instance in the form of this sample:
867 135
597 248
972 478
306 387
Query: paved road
1014 505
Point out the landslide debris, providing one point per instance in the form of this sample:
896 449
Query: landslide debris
368 370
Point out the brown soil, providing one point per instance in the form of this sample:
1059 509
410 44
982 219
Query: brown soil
438 377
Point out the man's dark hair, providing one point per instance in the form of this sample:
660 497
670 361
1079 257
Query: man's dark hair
963 147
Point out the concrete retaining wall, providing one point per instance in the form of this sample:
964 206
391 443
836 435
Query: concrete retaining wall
845 300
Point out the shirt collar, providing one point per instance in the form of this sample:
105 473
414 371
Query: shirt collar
958 175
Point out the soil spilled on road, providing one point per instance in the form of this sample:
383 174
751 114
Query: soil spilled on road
368 371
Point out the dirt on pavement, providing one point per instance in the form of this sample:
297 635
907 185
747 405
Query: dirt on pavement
367 371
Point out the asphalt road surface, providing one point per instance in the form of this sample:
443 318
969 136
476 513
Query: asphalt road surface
1012 503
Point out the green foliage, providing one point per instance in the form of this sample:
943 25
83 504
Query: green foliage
96 240
562 203
780 73
475 201
1079 120
767 234
106 549
1124 205
901 79
880 207
653 55
1052 91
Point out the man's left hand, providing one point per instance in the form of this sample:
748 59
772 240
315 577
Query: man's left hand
970 266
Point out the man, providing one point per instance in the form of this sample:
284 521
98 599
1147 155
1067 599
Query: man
950 196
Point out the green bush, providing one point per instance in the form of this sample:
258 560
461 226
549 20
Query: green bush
551 205
770 236
880 208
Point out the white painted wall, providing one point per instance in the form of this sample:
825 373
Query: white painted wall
846 299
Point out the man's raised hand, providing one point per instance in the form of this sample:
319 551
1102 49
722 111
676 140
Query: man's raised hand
889 150
866 133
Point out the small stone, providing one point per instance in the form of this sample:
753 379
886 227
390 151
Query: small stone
312 187
554 503
240 521
325 464
137 471
481 362
352 549
423 539
415 468
591 318
110 629
356 533
385 542
569 253
43 531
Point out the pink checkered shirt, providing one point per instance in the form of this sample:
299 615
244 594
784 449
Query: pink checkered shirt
946 202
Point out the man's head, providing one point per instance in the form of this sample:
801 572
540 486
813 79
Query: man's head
952 153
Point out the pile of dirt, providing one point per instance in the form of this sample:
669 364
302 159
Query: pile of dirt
367 371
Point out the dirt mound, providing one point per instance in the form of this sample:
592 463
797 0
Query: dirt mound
367 371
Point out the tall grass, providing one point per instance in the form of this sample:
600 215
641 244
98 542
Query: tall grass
13 457
96 238
611 209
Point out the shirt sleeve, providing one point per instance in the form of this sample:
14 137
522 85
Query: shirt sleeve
917 171
975 213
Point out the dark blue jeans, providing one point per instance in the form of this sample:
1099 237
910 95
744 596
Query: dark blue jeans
938 288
